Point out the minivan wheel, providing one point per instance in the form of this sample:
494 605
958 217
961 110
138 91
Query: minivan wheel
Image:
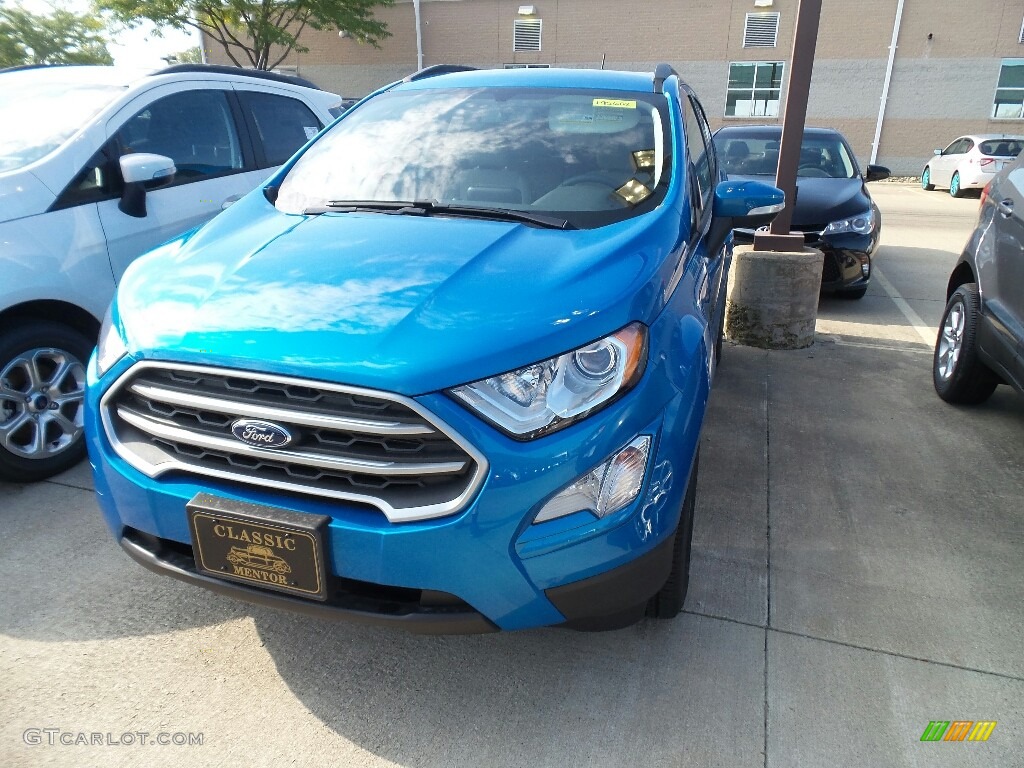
42 400
926 180
668 601
959 375
954 186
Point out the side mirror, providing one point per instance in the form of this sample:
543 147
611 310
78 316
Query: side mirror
938 151
140 172
876 173
749 204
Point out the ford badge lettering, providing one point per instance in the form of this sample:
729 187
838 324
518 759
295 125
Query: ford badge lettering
263 434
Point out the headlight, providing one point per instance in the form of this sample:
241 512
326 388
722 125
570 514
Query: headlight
605 489
111 347
862 224
555 393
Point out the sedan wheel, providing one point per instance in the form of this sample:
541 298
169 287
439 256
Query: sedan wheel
42 400
954 186
959 375
926 180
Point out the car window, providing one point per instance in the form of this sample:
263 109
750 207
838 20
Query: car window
282 124
821 155
953 148
98 180
588 156
968 145
193 128
697 153
1002 147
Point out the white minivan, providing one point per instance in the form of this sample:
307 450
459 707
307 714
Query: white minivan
97 166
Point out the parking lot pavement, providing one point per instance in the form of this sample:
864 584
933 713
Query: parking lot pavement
856 574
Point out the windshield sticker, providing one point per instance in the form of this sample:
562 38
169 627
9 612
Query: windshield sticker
311 131
615 103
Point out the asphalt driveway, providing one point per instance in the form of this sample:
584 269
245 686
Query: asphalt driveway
857 573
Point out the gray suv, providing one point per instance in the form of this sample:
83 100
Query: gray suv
981 336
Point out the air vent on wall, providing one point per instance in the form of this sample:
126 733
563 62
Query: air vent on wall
761 30
527 35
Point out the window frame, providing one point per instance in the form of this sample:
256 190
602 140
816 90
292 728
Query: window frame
753 89
1012 61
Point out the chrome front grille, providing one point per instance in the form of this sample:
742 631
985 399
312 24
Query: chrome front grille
360 445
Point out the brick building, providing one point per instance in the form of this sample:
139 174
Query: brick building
958 66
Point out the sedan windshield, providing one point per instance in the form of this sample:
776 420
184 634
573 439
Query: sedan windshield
821 156
587 157
36 118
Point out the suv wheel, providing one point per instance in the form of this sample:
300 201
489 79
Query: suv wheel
668 601
959 375
42 400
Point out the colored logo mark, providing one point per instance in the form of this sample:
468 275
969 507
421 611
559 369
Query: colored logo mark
958 730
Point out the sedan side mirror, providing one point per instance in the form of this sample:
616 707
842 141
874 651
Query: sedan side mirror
140 172
876 173
749 204
938 151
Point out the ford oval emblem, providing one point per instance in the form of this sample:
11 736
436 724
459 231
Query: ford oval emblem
263 434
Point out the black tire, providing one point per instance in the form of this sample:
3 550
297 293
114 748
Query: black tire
668 601
59 339
961 378
926 180
852 293
954 186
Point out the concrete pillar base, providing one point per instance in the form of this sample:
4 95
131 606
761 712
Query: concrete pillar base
773 298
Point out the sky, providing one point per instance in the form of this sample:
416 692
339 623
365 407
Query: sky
138 47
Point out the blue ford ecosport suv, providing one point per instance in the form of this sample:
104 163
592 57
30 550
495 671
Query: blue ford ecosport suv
445 370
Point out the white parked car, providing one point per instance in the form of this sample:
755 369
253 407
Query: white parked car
97 166
970 162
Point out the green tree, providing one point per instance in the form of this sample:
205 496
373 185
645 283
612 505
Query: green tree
189 56
62 37
255 33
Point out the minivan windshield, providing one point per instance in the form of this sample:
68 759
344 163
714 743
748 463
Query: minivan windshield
37 117
822 156
584 156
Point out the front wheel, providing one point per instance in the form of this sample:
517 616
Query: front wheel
42 400
926 180
959 375
668 601
954 186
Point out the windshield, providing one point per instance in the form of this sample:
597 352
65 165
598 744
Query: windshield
588 157
821 156
36 118
1002 147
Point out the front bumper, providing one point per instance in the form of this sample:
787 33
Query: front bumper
847 262
487 566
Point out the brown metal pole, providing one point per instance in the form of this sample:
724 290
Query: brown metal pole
801 65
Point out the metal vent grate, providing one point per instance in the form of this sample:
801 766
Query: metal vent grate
526 35
761 30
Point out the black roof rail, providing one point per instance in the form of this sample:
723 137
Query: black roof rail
218 69
662 72
435 70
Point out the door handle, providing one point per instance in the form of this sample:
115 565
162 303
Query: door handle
1005 207
229 202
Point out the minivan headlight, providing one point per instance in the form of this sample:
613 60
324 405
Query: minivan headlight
111 347
862 224
546 396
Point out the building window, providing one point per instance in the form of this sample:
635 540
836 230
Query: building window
761 30
526 35
1009 101
1020 39
755 89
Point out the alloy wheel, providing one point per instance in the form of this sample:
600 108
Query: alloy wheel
42 403
951 341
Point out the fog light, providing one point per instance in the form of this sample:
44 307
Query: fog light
605 489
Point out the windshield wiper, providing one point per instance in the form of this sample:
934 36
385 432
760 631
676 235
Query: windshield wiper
427 207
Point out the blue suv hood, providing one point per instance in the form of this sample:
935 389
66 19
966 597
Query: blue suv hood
409 304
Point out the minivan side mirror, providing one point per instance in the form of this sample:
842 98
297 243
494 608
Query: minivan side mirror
876 173
140 172
749 204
